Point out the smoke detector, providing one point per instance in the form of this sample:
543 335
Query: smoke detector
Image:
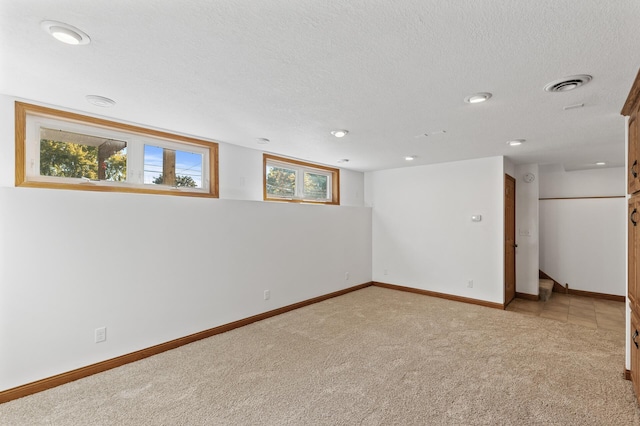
567 83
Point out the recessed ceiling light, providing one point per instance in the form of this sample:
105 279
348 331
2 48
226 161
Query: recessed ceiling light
410 157
567 83
477 98
344 160
65 33
339 133
515 142
601 163
263 141
100 101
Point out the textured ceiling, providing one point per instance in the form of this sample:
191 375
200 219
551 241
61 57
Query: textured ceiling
388 71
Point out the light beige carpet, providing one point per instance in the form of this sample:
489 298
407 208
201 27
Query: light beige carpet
372 357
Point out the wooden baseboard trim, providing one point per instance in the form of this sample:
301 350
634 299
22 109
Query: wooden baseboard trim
597 295
627 374
70 376
441 295
559 288
528 296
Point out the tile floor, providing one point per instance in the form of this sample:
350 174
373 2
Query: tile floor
584 311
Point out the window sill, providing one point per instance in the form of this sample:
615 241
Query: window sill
98 187
299 201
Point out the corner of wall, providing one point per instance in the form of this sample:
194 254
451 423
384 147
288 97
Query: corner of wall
527 229
7 141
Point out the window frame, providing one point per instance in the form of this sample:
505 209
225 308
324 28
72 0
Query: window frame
25 113
303 166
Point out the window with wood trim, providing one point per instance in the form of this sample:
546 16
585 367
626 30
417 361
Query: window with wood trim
63 150
300 182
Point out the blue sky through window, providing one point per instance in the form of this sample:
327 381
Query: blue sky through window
187 164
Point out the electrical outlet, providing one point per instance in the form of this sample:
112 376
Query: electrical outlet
346 276
386 272
267 294
100 334
470 284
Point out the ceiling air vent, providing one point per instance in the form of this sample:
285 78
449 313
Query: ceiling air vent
567 83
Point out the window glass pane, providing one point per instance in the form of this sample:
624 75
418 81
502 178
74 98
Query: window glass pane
152 163
281 181
75 155
163 166
315 186
188 169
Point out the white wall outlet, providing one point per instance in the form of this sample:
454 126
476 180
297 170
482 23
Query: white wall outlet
386 272
100 334
470 284
346 276
267 294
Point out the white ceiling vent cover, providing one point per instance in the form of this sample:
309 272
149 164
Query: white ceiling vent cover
567 83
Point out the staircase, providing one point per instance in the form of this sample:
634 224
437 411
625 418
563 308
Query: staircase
546 288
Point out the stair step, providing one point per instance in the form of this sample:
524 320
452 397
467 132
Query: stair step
546 288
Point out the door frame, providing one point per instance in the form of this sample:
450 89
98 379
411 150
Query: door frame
509 178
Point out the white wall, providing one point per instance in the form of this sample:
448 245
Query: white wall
527 226
509 167
240 172
351 188
556 183
423 236
154 268
583 241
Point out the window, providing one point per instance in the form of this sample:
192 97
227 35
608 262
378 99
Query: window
297 181
56 149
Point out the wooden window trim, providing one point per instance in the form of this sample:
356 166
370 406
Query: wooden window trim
24 109
335 180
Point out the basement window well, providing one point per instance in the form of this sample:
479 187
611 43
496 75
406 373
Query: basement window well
62 150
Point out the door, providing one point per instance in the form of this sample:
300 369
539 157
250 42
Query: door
509 239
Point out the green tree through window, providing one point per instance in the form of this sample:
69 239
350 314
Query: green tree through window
281 182
66 159
315 186
181 181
